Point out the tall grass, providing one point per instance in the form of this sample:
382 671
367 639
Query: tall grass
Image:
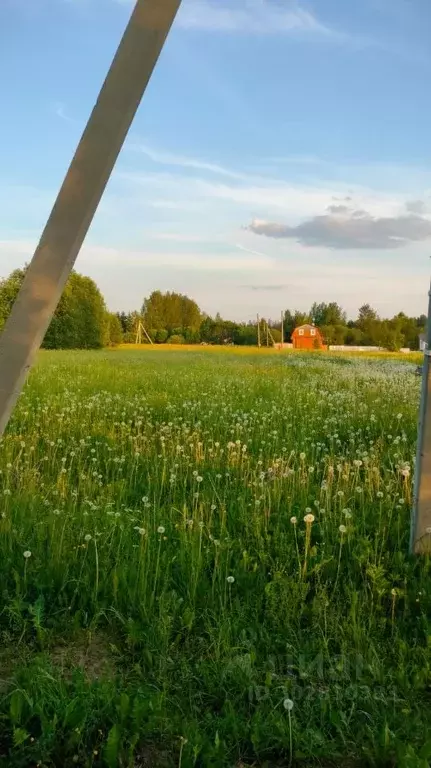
219 542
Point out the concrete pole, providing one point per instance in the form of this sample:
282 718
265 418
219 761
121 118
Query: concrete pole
258 331
420 536
80 194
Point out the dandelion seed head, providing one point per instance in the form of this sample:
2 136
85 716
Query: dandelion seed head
27 554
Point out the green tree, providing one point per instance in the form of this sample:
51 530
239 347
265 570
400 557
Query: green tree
9 288
171 311
334 334
327 314
369 323
161 336
115 330
80 320
176 339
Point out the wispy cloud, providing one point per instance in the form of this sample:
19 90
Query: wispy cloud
265 288
60 111
262 17
182 161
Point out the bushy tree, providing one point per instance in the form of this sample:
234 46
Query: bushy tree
327 314
160 336
115 330
9 289
171 311
80 320
176 339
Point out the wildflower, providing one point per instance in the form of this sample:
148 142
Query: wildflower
379 495
141 531
199 479
293 520
87 537
27 554
342 529
230 579
428 530
347 514
161 529
309 519
288 704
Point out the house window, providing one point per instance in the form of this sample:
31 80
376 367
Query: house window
313 332
301 332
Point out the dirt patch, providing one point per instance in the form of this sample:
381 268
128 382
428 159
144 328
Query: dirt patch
151 757
90 653
10 659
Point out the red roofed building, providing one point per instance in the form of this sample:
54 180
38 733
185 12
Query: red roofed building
307 337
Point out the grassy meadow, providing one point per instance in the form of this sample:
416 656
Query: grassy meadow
204 562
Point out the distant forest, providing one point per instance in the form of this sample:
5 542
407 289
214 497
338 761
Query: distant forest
179 320
82 321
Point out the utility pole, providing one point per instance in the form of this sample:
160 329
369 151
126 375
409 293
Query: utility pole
258 331
420 535
138 339
267 335
282 330
80 194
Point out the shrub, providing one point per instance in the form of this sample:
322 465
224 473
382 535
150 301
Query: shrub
176 339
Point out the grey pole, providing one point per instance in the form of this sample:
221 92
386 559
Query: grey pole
80 194
420 535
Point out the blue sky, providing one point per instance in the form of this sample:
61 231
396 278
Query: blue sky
281 154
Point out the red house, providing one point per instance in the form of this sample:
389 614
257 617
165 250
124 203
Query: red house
307 337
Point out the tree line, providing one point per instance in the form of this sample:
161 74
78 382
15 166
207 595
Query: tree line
178 319
82 321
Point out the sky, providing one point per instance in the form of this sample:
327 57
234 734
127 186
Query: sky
281 154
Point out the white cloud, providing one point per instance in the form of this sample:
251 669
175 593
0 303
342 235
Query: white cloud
259 195
60 111
257 17
168 158
249 16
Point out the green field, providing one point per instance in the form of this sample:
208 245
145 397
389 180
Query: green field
164 602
